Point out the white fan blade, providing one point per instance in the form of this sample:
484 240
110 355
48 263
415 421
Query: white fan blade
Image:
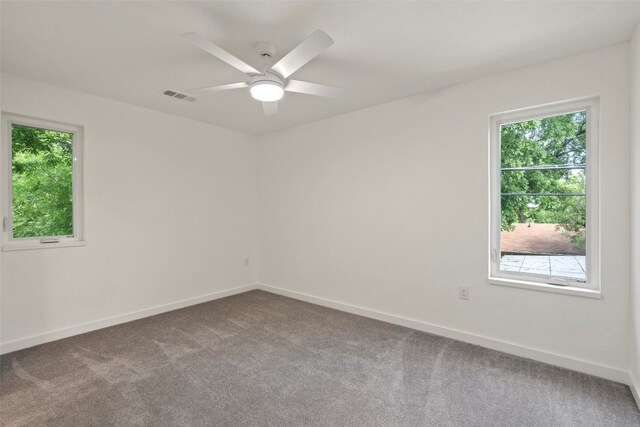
313 89
220 87
270 108
311 47
219 53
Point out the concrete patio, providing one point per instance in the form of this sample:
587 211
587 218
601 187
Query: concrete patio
573 266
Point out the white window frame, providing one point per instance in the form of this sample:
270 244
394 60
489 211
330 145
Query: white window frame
562 285
9 243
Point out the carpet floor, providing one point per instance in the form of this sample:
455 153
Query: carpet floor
262 359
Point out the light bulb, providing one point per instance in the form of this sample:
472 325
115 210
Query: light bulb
267 91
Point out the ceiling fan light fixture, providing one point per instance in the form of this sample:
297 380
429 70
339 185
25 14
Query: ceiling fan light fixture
267 91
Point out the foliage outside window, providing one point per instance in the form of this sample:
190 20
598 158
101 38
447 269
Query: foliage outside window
543 178
42 187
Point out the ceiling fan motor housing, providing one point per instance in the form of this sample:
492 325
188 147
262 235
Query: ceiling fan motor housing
268 76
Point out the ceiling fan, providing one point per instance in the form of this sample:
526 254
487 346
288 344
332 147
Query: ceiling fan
270 84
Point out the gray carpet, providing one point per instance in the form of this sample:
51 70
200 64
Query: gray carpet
262 359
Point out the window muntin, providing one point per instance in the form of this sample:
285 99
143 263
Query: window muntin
544 192
42 183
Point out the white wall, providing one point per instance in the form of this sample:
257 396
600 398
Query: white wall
387 208
170 214
635 209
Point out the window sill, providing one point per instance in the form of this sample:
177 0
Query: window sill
10 247
544 287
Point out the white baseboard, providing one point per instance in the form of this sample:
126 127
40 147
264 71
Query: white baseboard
591 368
635 388
69 331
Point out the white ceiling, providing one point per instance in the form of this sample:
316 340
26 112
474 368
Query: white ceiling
132 51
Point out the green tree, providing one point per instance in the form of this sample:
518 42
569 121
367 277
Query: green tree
42 162
558 140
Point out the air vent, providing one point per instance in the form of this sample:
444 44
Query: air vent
179 95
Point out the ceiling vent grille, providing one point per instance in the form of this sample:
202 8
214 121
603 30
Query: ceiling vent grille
179 95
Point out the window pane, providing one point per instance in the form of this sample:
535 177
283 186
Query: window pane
42 190
557 140
543 182
543 196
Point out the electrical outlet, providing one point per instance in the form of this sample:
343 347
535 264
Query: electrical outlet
246 262
463 292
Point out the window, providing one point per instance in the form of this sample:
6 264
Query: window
42 184
544 198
